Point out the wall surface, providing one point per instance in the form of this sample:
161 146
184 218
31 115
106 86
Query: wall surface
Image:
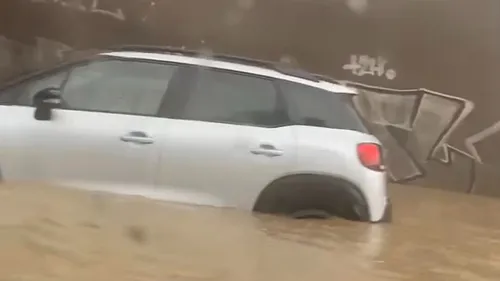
427 69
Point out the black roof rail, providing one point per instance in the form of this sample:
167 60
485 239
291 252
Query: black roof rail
277 66
152 49
190 52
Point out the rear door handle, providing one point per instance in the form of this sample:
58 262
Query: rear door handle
267 150
137 138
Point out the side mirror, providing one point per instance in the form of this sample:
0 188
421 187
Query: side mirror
44 101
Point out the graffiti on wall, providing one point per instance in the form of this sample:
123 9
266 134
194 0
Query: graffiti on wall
361 65
93 6
473 141
414 125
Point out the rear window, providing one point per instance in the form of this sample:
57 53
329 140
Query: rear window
316 107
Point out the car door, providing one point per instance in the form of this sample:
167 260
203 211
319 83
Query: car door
225 139
102 137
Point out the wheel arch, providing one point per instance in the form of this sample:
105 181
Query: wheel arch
278 185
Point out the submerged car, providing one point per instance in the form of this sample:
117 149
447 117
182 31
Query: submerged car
219 130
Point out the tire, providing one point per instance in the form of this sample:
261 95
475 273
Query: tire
311 214
313 197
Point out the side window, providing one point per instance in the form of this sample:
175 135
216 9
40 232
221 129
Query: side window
22 94
118 86
316 107
227 97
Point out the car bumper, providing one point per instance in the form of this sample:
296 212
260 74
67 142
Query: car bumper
387 216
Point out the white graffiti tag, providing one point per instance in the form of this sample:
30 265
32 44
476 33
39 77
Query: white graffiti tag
361 65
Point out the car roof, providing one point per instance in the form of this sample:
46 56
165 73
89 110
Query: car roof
207 61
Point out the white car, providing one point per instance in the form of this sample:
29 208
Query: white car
221 131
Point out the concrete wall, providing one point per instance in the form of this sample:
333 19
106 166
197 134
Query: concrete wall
428 69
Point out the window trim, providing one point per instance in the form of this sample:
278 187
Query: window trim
185 89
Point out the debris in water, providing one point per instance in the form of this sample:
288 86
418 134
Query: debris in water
137 234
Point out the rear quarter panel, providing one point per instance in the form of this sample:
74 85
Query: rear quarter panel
333 152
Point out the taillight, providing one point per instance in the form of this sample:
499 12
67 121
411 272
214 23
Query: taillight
370 155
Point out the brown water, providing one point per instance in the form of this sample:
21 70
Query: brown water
57 234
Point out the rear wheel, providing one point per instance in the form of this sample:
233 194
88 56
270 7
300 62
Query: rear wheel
313 197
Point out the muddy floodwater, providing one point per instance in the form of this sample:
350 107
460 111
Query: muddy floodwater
49 233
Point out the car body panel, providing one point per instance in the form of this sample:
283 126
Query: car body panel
333 153
75 147
222 163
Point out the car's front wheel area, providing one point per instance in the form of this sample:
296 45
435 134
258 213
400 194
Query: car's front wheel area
311 196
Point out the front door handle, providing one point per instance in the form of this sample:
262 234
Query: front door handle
137 137
267 150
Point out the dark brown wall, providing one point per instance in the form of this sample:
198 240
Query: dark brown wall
434 102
